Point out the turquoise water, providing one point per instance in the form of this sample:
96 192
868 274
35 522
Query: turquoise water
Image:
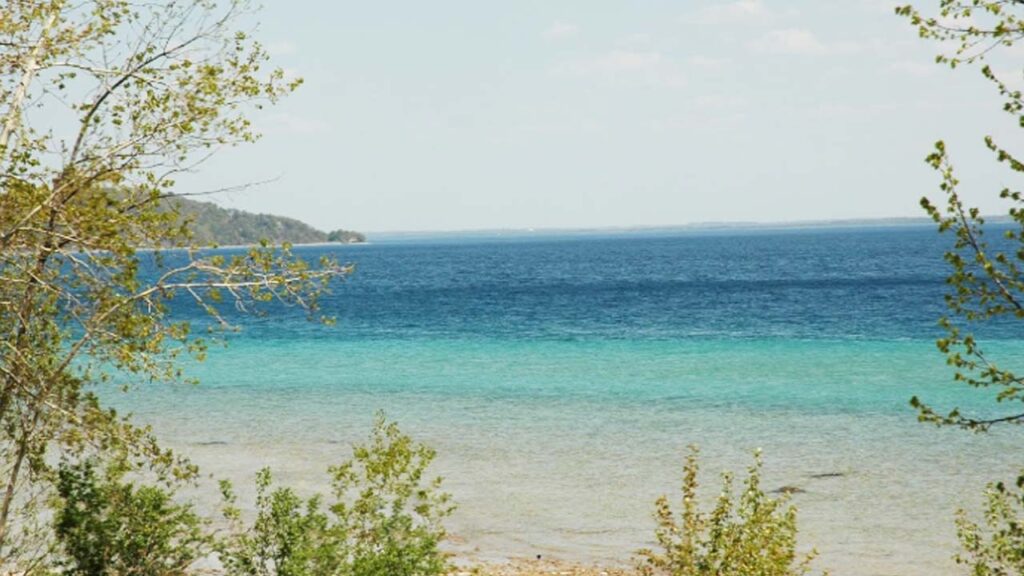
562 378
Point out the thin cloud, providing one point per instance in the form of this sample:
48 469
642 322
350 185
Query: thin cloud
635 41
1011 77
561 31
285 123
630 61
708 63
883 6
648 66
913 68
282 48
719 103
793 41
803 42
735 11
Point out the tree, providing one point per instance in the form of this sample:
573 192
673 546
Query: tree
755 534
997 548
102 104
106 525
986 284
386 518
346 236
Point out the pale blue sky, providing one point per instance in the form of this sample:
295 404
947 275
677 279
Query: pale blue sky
449 115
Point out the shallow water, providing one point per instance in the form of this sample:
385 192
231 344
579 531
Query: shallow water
562 378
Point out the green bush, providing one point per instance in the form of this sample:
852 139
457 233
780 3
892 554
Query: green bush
106 525
385 518
755 534
997 549
290 537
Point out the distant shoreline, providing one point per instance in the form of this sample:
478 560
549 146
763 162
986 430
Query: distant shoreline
908 222
687 227
698 227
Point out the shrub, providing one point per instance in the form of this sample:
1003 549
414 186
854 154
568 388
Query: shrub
290 537
997 549
385 518
106 525
755 534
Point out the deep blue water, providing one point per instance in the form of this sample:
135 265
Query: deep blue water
868 283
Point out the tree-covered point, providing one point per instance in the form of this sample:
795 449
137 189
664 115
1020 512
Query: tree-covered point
346 236
212 224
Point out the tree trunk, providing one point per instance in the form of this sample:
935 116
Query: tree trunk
30 65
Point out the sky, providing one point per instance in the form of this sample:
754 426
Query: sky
462 115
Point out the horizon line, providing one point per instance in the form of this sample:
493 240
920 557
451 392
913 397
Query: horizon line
702 225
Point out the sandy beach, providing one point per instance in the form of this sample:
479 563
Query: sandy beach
542 567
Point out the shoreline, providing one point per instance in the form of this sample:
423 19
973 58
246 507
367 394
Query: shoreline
540 567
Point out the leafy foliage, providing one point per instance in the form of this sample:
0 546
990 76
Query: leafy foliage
985 285
997 549
754 534
143 91
385 518
973 28
986 282
290 537
105 525
210 224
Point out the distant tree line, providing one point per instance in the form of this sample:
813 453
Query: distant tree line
346 236
211 224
